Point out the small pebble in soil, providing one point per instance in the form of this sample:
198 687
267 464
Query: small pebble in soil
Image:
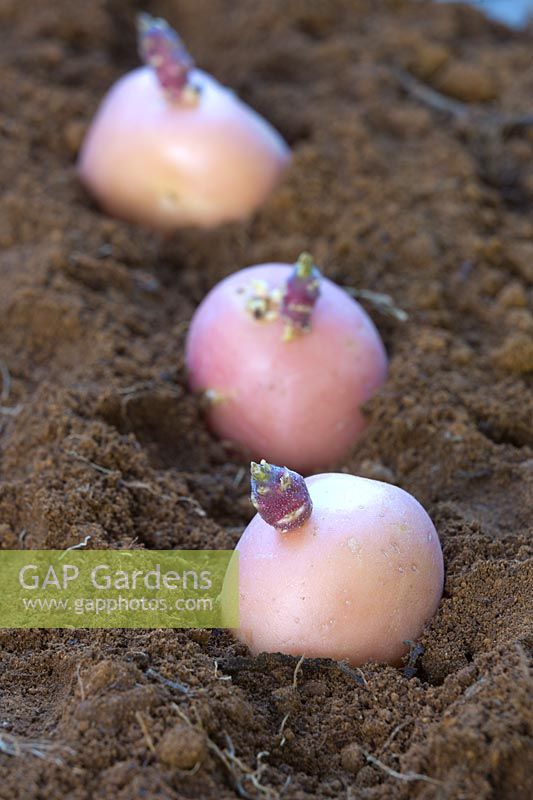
287 359
352 758
181 747
171 147
357 580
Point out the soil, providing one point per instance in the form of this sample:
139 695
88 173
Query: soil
390 195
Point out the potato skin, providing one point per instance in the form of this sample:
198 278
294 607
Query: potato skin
358 579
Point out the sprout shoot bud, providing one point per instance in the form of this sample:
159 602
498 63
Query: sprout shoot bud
161 48
301 293
280 496
263 302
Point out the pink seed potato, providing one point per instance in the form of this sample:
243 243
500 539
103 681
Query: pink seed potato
294 402
166 164
358 579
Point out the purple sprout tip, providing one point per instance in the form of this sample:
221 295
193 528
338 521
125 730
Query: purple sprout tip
161 48
301 293
280 496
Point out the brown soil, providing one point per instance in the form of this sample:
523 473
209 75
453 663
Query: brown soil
390 195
